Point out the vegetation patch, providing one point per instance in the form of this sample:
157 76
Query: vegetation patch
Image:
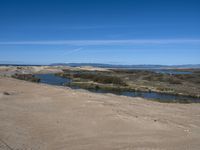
26 77
95 77
136 80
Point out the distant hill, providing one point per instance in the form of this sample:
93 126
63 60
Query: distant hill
111 65
127 66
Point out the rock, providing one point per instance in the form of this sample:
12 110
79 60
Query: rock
6 93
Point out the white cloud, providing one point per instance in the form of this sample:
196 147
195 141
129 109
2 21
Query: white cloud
104 42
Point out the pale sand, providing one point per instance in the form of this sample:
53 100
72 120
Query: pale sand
43 117
11 70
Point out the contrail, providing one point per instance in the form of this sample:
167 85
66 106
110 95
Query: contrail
73 51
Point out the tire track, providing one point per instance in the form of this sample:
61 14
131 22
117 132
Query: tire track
4 145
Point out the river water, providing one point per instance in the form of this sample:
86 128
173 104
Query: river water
59 81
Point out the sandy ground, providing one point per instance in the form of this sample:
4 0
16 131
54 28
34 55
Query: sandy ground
11 70
43 117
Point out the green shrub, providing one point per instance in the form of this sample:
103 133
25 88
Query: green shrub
104 78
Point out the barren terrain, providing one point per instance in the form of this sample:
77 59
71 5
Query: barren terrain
43 117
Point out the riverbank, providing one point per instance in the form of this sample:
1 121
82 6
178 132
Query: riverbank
177 84
181 86
43 117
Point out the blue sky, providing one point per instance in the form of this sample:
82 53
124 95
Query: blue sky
103 31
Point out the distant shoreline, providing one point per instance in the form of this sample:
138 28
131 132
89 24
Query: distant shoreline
187 66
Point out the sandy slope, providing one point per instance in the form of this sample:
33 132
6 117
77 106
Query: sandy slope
11 70
43 117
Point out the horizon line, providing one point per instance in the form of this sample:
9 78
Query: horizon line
121 64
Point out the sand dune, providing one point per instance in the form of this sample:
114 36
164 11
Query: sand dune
43 117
